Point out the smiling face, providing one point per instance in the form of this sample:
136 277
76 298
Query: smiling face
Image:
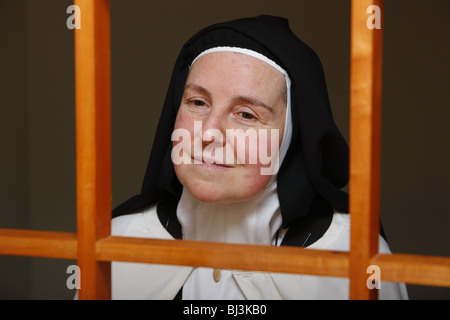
228 91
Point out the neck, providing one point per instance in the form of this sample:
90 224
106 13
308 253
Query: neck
253 221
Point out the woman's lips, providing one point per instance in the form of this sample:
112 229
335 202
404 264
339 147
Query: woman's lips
210 163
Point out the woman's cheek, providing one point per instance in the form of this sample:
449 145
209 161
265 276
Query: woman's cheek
183 120
254 180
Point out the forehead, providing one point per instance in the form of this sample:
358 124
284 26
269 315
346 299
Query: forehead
233 57
233 70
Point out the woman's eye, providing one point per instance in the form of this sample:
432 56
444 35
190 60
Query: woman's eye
198 103
247 116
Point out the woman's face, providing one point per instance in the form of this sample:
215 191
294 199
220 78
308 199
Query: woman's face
228 96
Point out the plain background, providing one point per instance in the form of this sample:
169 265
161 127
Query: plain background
37 113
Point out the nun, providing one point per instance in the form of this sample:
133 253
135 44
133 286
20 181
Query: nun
246 151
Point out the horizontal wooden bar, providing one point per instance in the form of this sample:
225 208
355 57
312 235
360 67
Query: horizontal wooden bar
48 244
221 255
414 269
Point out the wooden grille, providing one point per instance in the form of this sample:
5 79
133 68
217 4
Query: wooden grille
95 248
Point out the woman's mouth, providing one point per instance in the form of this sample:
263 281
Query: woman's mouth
211 163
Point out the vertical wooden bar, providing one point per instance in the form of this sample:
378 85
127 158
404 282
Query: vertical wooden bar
365 120
93 146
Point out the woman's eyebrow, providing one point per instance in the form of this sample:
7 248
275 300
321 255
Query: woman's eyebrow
196 87
253 101
250 100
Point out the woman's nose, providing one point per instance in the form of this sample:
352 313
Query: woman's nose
214 127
